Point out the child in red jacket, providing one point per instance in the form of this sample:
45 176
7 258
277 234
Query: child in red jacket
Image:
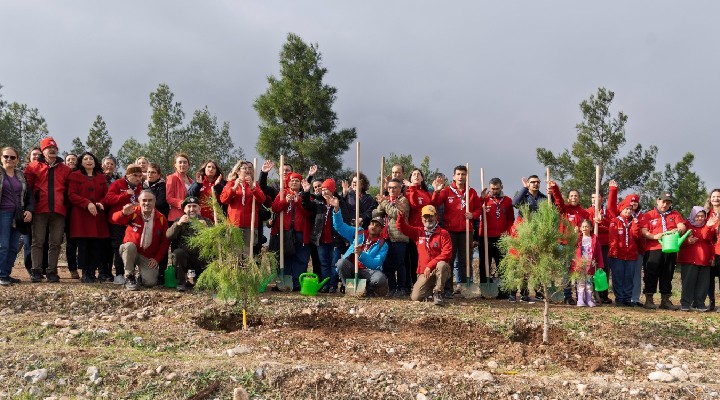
622 256
588 258
695 258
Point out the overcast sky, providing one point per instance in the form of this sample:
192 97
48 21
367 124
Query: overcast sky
460 81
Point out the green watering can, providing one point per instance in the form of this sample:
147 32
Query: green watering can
671 241
309 285
170 279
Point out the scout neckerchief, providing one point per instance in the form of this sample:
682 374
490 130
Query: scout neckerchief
146 236
428 234
462 198
497 204
626 225
662 217
131 186
242 189
366 245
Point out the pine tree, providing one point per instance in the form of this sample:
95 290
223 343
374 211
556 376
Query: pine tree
296 113
167 134
680 180
99 141
25 126
534 256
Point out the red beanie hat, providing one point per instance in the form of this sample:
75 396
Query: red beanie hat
47 142
329 184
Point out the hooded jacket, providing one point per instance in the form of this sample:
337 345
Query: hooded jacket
48 184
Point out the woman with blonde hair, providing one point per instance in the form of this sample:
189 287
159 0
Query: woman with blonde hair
15 199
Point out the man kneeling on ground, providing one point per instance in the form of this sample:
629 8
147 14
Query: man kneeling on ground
371 252
434 248
145 242
186 258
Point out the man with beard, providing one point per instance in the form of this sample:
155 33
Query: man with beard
145 243
434 248
500 217
186 258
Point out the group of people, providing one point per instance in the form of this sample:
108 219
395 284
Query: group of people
411 239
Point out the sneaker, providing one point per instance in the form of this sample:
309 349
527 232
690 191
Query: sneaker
52 278
5 282
400 293
437 299
698 309
88 279
74 275
130 283
526 299
512 298
685 309
569 301
332 289
606 301
539 297
35 277
119 280
448 294
14 280
182 288
324 289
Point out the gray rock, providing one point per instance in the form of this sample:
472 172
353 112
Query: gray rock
581 388
238 350
35 376
92 373
482 376
492 364
420 396
661 376
679 373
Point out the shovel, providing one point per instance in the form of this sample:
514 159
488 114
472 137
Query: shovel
283 282
489 289
471 289
356 286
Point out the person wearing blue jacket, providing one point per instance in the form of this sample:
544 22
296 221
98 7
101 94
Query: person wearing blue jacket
371 252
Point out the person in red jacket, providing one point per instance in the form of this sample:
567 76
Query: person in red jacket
145 243
588 259
434 248
47 180
712 207
660 266
238 194
456 213
88 221
296 222
602 219
623 233
500 217
177 185
120 193
695 257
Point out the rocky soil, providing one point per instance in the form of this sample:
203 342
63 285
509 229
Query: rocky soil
73 340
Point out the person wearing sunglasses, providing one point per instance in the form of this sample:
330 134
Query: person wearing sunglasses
14 198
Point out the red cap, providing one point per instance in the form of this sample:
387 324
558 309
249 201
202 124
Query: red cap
47 142
329 184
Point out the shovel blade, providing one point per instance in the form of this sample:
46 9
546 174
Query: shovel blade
556 294
490 289
471 291
284 283
355 286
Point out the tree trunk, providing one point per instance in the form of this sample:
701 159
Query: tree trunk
546 318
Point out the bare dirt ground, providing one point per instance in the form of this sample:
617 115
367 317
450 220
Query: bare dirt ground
73 340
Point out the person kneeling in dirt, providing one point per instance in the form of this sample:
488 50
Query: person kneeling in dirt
186 258
434 248
371 252
145 243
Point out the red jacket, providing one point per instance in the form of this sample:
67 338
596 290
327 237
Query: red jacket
417 198
302 219
239 214
454 215
158 246
81 192
116 197
623 238
48 185
716 240
652 221
175 193
595 255
430 252
497 224
701 252
574 214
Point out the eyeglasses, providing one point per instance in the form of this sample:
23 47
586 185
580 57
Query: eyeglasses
11 158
